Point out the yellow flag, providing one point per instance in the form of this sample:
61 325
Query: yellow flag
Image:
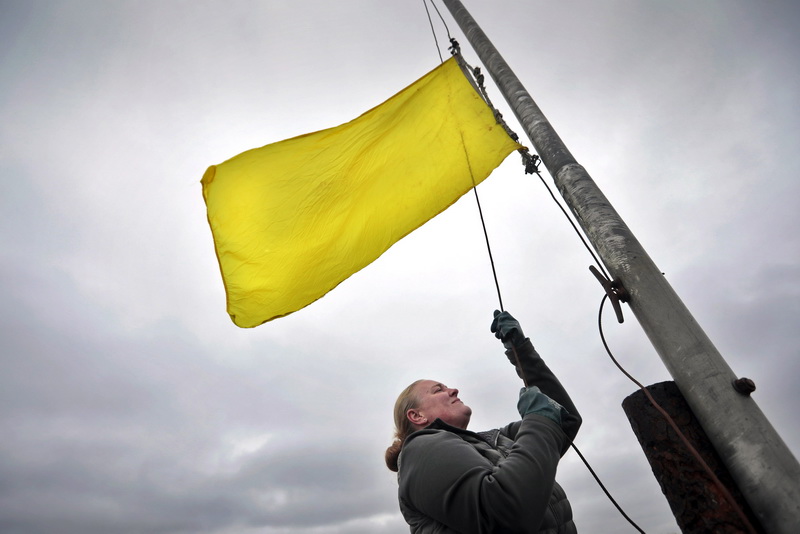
293 219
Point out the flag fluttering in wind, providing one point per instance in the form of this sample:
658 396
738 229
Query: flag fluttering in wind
293 219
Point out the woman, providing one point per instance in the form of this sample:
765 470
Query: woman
503 480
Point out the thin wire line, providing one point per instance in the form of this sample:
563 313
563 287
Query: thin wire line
572 223
488 247
425 3
466 156
602 487
442 19
483 222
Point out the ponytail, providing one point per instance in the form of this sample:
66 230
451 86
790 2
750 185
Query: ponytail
407 400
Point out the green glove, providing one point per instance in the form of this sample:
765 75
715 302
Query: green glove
507 329
532 400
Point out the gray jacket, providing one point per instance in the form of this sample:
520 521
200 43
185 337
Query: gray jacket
501 481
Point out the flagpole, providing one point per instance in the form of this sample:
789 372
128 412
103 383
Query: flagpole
765 470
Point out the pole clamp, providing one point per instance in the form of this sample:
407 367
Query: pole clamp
615 291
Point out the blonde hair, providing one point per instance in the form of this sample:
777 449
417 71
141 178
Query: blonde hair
407 400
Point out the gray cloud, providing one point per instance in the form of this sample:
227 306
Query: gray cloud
128 401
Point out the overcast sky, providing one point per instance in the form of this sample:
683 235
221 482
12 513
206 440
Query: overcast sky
130 403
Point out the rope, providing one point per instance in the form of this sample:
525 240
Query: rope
433 31
444 22
602 487
483 223
435 40
456 52
569 219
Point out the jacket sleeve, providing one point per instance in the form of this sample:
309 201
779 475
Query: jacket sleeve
448 480
535 372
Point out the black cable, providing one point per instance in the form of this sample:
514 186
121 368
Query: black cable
449 37
466 156
425 3
571 222
602 487
483 223
488 247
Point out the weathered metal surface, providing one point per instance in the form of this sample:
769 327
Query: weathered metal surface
697 503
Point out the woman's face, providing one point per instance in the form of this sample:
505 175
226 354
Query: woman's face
437 401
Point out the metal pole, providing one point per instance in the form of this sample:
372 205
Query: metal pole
762 465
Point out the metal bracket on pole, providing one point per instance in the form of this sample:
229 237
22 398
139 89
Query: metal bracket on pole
615 291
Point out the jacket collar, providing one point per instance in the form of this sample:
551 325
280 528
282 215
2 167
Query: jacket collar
438 424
